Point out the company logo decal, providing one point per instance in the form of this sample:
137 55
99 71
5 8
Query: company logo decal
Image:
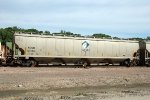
85 46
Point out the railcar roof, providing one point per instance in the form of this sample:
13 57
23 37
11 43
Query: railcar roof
148 42
69 37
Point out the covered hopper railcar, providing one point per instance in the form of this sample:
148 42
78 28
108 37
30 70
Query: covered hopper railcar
147 54
30 50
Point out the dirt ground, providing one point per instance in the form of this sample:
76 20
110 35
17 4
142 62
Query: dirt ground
69 83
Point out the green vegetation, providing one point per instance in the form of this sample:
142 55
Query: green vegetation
101 35
6 34
64 33
139 39
148 38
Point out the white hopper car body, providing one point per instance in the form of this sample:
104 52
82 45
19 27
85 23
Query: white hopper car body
76 50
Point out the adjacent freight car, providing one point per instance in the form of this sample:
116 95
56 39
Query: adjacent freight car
30 50
4 50
147 54
0 53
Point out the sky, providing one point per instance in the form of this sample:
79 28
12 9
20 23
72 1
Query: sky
120 18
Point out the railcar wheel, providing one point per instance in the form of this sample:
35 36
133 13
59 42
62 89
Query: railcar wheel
134 62
147 63
33 63
0 62
107 64
127 63
85 63
30 63
82 62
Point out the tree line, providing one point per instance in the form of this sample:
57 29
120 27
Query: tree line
6 34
